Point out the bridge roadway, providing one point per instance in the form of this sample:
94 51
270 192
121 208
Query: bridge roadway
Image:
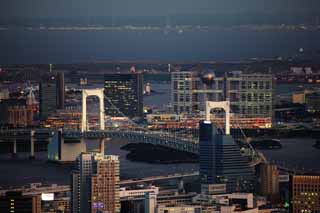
66 188
156 138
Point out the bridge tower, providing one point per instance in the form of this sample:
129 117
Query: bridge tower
92 92
225 105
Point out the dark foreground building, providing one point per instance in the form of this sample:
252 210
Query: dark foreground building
221 161
16 202
124 92
51 94
60 90
47 98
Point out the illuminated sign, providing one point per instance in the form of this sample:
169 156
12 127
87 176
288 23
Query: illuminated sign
47 196
98 205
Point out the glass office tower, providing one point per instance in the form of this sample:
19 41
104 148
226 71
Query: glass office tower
221 160
124 93
47 97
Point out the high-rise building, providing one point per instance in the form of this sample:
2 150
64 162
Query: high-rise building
47 97
124 92
269 181
150 202
305 193
95 186
221 161
16 202
51 94
60 90
250 95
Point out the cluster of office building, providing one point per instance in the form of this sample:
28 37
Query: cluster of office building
250 95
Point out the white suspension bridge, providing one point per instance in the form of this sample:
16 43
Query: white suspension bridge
183 140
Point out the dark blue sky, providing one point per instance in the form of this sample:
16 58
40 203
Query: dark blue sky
80 8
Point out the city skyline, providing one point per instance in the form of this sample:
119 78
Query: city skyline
149 106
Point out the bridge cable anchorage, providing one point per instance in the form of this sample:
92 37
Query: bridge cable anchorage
253 153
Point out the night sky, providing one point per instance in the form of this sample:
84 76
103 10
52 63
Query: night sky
80 8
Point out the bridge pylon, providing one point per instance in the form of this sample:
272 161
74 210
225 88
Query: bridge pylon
225 105
92 92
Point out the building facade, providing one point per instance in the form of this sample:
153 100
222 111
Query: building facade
305 193
51 94
20 116
16 202
47 98
60 90
95 186
250 95
124 93
269 181
221 161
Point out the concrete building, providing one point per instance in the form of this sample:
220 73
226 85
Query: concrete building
300 97
221 161
310 98
4 94
174 198
234 202
313 102
20 116
179 209
59 204
269 181
21 113
124 92
137 193
305 193
250 95
16 202
5 105
95 186
234 209
47 97
150 202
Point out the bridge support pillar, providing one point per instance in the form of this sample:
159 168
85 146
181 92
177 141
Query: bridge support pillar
14 151
32 139
102 147
180 185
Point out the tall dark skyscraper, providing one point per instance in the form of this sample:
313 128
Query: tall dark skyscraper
51 94
60 90
47 97
124 91
221 161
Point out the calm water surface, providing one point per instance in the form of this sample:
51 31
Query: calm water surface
296 153
27 47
